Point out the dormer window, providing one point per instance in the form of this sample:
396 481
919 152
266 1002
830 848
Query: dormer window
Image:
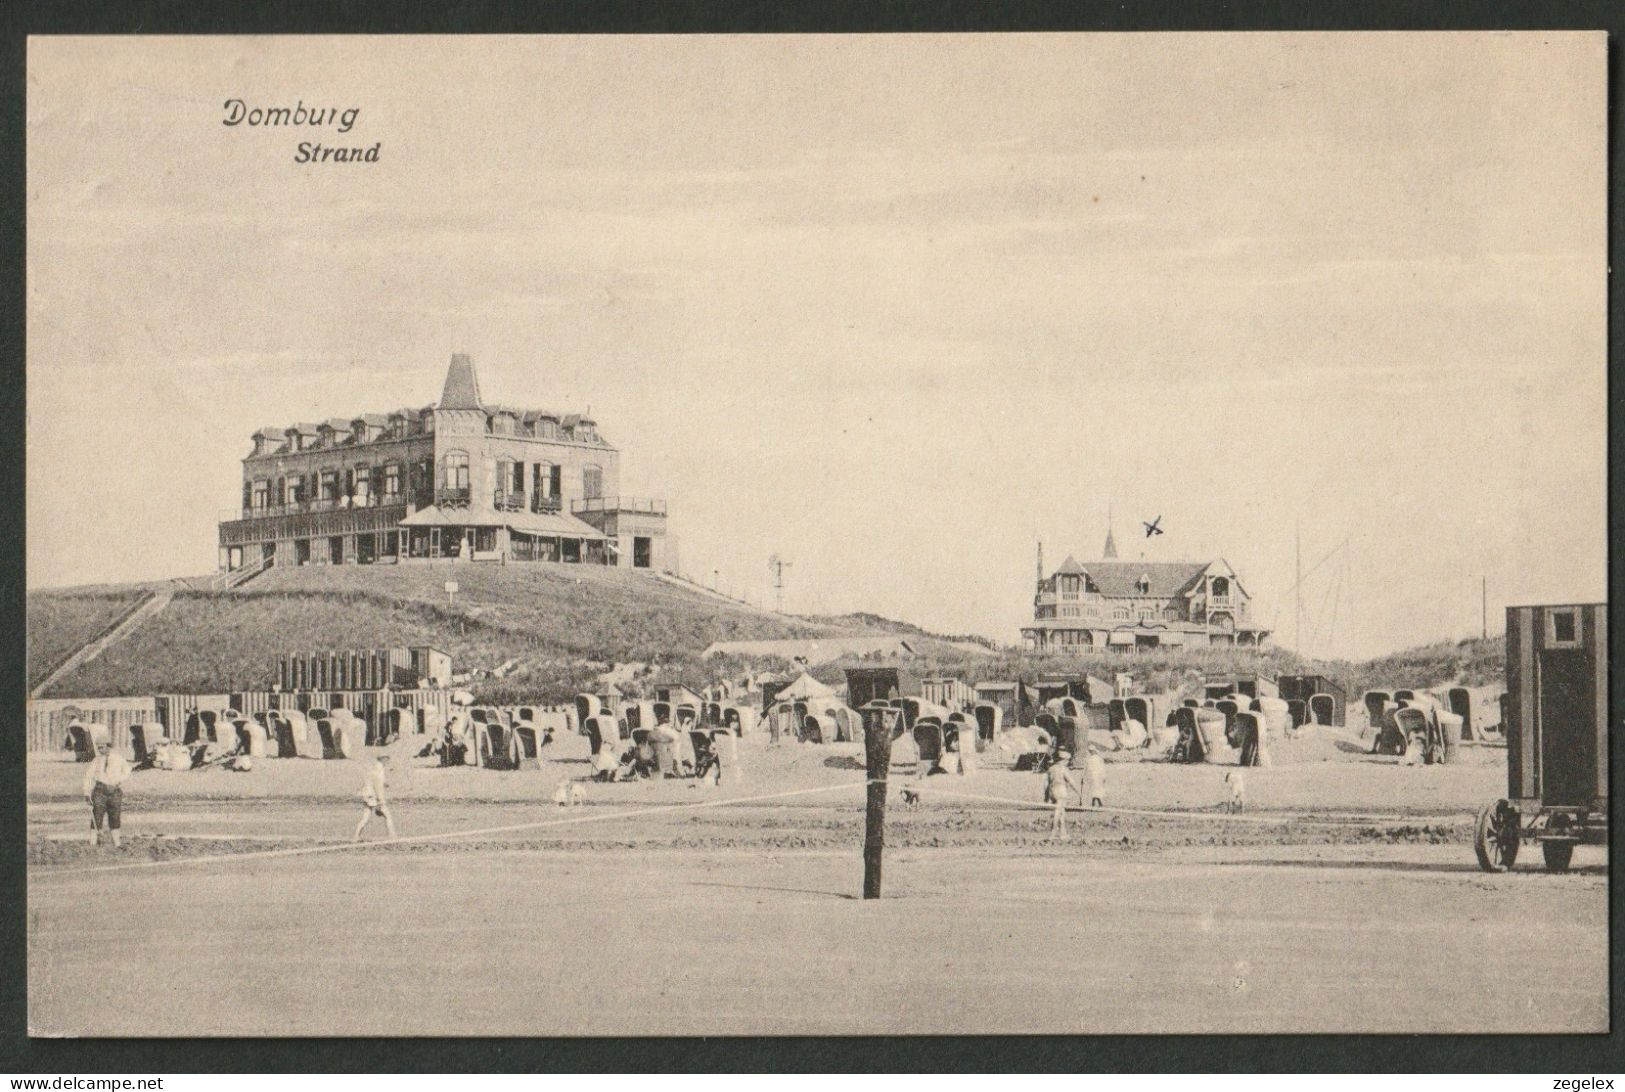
1143 585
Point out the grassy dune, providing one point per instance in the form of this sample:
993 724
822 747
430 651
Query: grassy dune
59 623
565 624
559 622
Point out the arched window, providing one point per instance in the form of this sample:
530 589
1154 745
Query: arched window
1221 587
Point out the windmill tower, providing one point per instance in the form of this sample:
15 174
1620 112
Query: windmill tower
776 565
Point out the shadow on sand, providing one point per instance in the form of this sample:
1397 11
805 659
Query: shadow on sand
1436 867
769 887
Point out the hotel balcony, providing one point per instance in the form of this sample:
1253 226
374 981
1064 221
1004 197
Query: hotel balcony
313 519
298 508
638 505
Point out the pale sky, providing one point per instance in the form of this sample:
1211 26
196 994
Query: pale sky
893 307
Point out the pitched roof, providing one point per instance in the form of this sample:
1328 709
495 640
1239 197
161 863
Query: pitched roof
1165 578
808 688
1070 566
338 424
462 389
379 419
271 432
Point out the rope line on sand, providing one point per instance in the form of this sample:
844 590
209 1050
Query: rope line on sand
337 847
926 788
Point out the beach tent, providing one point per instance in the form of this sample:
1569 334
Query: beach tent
1376 703
290 730
960 743
739 719
882 716
1143 708
817 728
587 707
349 733
989 719
1276 713
808 689
1201 736
250 737
928 743
1473 711
144 740
83 736
1253 733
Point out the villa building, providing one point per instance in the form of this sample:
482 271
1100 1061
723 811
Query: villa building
463 479
1117 605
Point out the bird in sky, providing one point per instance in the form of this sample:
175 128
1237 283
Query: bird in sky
1153 527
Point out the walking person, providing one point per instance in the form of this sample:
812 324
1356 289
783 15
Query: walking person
374 799
1097 778
1058 783
104 789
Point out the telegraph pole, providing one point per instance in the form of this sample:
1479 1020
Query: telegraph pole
1484 605
877 748
777 565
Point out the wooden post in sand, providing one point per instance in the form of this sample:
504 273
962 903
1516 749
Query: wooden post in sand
877 741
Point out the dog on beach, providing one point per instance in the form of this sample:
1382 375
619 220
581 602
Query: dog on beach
1238 790
911 799
569 794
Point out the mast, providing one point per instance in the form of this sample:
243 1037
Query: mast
1297 590
1484 605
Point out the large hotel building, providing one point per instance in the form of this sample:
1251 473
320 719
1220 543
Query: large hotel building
461 479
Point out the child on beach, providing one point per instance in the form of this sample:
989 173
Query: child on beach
373 798
1058 783
1097 778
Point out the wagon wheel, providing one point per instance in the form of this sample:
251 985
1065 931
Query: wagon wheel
1558 855
1496 842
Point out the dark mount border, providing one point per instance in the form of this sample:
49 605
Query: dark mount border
1569 1055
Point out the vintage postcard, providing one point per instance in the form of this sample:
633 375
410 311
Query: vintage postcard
828 535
